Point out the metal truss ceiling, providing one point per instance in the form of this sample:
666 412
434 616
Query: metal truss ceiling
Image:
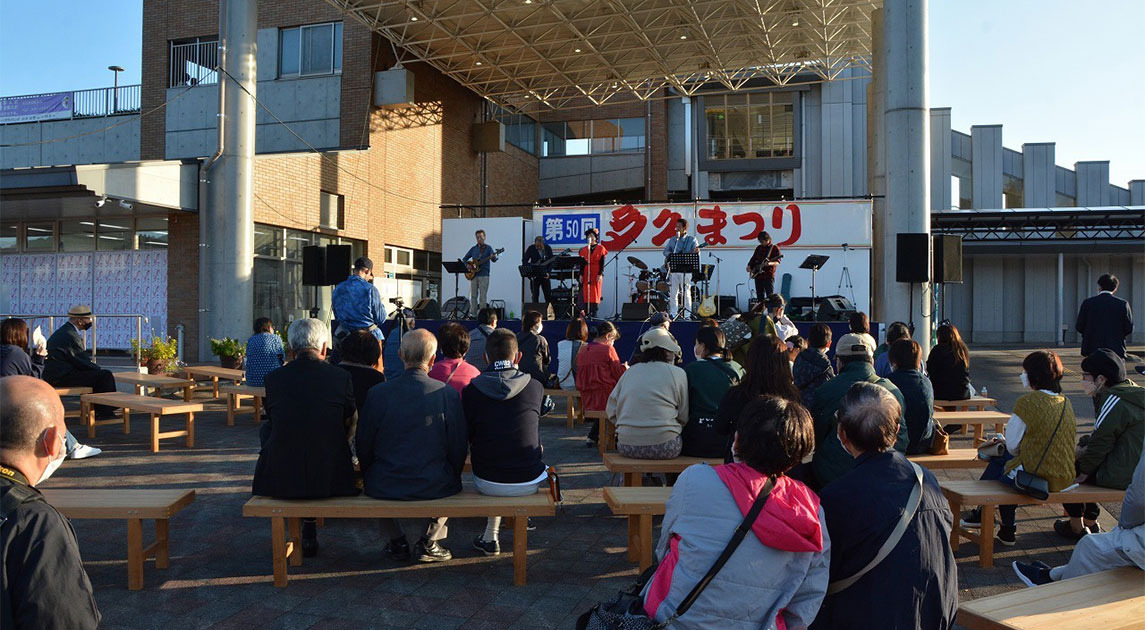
1083 224
535 54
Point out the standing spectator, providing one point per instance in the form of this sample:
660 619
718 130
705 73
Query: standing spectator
362 358
784 327
70 365
453 370
812 368
486 322
895 331
710 377
576 338
43 583
1104 321
305 440
948 365
1108 455
864 506
357 303
411 443
918 395
598 369
502 408
767 374
650 401
1039 439
777 576
264 352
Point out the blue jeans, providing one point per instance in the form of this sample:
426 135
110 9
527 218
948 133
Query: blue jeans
996 470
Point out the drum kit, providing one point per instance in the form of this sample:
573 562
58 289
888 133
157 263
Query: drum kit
649 286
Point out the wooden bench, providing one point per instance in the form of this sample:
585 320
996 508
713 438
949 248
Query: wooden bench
956 458
213 373
988 494
1110 600
466 504
131 504
235 394
633 469
157 383
639 505
606 433
72 391
974 418
157 407
573 409
977 403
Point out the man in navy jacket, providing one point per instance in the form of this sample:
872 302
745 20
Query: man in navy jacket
1104 321
69 364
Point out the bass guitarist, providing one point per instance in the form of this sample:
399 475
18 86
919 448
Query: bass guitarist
539 254
479 257
761 268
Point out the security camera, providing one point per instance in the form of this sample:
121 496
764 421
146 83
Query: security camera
125 204
101 201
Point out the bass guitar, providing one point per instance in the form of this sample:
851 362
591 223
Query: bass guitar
473 266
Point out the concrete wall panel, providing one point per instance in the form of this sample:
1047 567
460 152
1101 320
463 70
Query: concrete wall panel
986 166
941 160
1092 183
1038 174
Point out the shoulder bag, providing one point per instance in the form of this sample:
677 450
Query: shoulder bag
1029 483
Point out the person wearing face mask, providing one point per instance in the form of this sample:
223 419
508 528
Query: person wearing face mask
535 358
44 584
1107 456
710 376
70 365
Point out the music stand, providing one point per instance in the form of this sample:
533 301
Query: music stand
684 262
814 262
455 267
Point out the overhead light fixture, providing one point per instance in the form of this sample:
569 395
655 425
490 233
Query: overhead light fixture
683 37
795 23
99 203
125 204
528 1
577 50
413 19
478 63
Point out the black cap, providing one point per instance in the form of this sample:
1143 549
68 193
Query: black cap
1104 362
364 263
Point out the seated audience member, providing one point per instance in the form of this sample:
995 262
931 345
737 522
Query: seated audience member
453 370
391 361
767 374
760 325
1039 439
918 397
854 354
502 408
948 365
784 327
70 365
486 322
264 352
44 583
860 324
15 361
650 401
812 368
710 376
1122 546
534 348
864 505
576 338
598 369
777 576
1108 455
310 408
411 443
362 358
895 331
795 345
710 321
662 320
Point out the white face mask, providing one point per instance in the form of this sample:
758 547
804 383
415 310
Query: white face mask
1025 380
1091 387
55 463
538 328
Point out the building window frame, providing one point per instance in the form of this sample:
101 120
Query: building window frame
748 162
297 67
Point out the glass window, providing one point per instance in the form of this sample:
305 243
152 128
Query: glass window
631 134
405 258
288 52
77 236
318 49
331 210
9 237
337 47
738 141
605 136
267 241
715 113
267 289
578 135
758 125
39 237
113 235
151 233
553 136
295 241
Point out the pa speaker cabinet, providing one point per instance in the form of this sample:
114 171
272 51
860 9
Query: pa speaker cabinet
947 258
726 306
393 88
545 309
489 137
912 257
314 266
427 308
633 312
337 263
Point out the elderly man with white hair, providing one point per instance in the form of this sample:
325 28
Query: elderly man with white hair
310 413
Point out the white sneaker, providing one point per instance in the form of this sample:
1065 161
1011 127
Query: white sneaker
83 451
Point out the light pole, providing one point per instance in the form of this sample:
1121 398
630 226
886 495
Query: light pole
115 90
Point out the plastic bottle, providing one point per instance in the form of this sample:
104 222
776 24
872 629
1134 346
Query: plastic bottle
985 392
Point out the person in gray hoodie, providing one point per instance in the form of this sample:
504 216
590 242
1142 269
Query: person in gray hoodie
503 411
486 323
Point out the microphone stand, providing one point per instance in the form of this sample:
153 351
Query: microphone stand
712 254
615 287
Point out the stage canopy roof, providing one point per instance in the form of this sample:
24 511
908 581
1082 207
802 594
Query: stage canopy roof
532 55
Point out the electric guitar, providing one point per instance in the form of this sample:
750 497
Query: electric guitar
474 266
755 270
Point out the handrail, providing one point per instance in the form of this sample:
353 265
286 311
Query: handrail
96 102
95 321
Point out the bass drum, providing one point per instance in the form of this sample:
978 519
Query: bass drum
643 286
663 287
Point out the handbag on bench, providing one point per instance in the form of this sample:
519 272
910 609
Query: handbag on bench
1029 483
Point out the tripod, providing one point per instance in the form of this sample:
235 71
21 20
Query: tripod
845 276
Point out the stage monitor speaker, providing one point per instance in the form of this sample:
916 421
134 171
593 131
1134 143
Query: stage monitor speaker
427 308
634 312
314 266
947 258
337 263
456 307
912 257
726 306
545 309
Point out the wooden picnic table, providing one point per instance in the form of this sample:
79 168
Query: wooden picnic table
1110 600
157 407
955 458
978 403
157 383
213 373
639 505
633 469
974 418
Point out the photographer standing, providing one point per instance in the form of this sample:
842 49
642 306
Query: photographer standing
358 304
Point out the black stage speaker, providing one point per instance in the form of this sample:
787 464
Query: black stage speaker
947 258
457 307
633 312
337 263
314 266
725 306
545 309
427 308
911 257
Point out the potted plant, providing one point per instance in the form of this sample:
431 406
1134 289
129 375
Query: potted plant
159 356
288 354
230 352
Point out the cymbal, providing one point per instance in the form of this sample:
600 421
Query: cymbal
636 262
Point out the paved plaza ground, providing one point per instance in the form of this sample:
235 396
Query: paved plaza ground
220 573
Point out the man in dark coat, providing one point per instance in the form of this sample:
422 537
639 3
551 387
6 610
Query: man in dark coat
70 365
43 584
310 411
534 349
916 584
1104 320
411 441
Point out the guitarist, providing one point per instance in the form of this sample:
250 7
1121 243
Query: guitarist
482 255
762 266
539 254
681 243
